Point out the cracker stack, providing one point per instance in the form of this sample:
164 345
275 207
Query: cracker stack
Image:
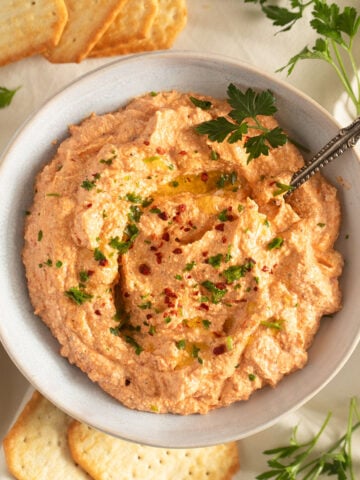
71 30
29 27
45 443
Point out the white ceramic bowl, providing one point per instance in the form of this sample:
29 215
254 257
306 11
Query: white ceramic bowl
29 342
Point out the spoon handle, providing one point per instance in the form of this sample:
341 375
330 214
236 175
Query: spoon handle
345 139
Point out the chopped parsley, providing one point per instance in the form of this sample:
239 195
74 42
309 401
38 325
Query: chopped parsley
180 344
59 264
216 292
132 342
276 325
235 272
88 184
215 260
135 213
206 324
78 296
98 255
203 104
133 197
189 266
276 242
282 188
40 235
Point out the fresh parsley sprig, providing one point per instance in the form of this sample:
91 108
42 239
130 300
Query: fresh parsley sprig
6 96
292 461
338 32
246 107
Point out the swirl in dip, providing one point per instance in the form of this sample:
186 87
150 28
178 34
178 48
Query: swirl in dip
171 270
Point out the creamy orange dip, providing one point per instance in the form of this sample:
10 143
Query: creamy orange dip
170 270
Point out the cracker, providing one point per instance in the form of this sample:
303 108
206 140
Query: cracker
36 446
134 21
28 27
88 20
103 457
170 19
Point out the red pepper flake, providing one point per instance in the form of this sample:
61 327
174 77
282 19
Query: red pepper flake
220 227
265 268
163 216
146 142
203 306
89 205
144 269
97 312
126 294
90 272
148 316
159 257
177 251
220 285
224 239
103 262
183 152
205 254
169 293
204 176
187 229
181 208
160 151
219 350
153 248
166 236
256 289
127 382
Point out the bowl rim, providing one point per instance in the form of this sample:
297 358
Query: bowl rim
164 56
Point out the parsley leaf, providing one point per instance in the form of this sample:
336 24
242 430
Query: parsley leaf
246 106
338 32
78 296
203 104
6 96
216 292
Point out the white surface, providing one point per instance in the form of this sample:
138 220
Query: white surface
225 27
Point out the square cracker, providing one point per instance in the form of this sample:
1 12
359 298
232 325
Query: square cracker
170 19
36 446
104 456
88 20
28 27
134 21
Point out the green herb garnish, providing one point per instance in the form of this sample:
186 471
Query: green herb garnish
180 344
203 104
276 242
133 198
337 32
6 96
78 296
132 342
282 188
246 105
235 272
98 255
189 266
216 292
215 260
298 461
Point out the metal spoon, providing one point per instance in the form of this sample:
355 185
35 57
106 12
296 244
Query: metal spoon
345 139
